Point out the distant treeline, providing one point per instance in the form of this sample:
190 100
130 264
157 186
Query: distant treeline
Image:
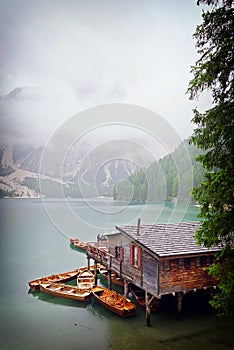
170 178
51 189
5 193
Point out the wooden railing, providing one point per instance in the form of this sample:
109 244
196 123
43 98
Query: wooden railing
98 253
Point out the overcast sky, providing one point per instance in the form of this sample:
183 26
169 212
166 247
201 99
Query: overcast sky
72 55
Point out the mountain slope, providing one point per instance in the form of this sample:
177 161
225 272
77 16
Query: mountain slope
21 175
170 178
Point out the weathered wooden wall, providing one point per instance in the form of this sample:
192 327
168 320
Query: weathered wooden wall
149 273
183 279
125 268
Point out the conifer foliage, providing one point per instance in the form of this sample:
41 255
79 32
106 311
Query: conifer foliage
214 134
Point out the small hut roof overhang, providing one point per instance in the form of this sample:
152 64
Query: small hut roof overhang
166 240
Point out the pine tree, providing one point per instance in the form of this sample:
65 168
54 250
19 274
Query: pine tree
214 134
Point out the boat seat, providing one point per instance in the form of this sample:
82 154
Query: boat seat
57 288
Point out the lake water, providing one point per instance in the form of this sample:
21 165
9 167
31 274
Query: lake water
34 242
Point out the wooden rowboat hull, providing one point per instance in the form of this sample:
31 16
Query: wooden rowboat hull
114 278
114 302
74 240
65 291
91 268
85 279
139 296
79 245
60 277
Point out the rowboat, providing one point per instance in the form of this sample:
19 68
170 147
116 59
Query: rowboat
85 279
65 291
114 277
113 301
74 240
139 296
59 277
90 268
80 245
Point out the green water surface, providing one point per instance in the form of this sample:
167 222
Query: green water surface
34 243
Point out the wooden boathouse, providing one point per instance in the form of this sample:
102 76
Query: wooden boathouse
161 259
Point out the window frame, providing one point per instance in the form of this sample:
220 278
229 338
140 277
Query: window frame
135 255
119 253
166 265
181 263
187 263
208 260
198 261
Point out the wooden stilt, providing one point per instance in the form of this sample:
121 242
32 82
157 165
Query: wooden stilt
125 288
147 309
179 296
109 280
151 299
95 271
211 293
88 258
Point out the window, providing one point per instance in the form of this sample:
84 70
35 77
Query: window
181 263
135 255
187 263
208 260
166 265
198 261
119 253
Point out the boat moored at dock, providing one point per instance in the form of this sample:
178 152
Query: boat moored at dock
114 302
139 296
114 277
65 291
85 279
59 277
75 242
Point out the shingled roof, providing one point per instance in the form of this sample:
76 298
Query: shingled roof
168 239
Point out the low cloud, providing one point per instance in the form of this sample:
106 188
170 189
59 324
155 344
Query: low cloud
59 59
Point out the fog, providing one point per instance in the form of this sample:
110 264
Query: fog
59 58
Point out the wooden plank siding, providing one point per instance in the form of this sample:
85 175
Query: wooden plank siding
144 275
123 267
150 273
190 277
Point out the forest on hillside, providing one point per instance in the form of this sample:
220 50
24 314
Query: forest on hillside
168 179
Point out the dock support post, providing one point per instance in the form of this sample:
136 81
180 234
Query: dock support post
179 296
95 272
125 288
147 309
109 280
88 258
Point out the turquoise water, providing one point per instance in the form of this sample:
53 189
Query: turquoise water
34 242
